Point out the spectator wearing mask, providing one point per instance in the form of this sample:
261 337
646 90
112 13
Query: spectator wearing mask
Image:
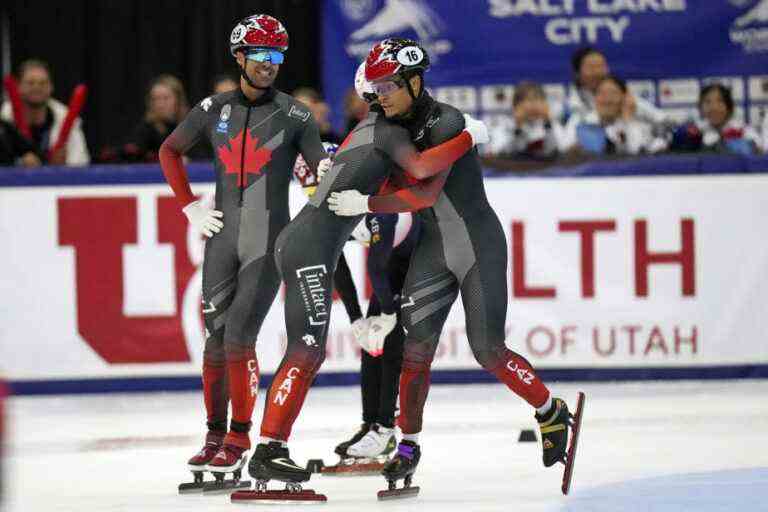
320 111
45 116
612 128
166 105
716 130
530 132
15 149
590 67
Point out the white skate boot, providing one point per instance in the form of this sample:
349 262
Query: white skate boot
376 444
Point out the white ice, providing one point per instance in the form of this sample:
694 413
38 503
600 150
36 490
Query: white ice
698 446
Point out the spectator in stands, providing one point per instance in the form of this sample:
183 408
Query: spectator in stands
612 128
530 132
15 149
45 116
716 130
320 111
224 83
590 67
166 106
355 110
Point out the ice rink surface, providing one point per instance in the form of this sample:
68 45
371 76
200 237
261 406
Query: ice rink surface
676 446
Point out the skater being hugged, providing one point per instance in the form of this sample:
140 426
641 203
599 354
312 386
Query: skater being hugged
306 253
382 357
256 132
461 249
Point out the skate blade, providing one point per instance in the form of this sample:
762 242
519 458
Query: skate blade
571 454
304 497
398 494
191 488
367 469
227 486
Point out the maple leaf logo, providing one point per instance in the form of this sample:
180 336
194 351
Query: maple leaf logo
255 158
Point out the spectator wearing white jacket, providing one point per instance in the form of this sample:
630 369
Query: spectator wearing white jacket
717 130
45 116
590 67
530 132
613 127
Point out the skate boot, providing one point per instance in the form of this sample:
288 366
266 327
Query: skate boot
272 462
402 466
554 426
376 444
199 463
366 456
230 458
341 448
554 432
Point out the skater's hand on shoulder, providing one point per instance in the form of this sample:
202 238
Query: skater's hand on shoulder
476 129
205 220
379 328
323 167
348 203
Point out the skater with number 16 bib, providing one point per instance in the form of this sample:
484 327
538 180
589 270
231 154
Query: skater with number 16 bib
461 249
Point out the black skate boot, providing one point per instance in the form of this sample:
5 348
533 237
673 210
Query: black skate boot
272 462
554 432
341 449
402 466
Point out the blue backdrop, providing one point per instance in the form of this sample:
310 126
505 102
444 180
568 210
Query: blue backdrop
667 47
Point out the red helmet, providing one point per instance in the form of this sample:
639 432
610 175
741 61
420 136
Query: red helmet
395 56
258 31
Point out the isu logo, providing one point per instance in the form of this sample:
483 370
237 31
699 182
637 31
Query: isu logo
749 31
396 17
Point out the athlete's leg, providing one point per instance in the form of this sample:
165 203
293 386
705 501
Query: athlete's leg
307 270
219 285
392 358
430 290
258 283
370 375
484 295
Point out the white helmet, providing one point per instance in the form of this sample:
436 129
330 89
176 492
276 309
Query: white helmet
363 86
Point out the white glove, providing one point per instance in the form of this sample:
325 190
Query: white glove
348 203
378 329
205 220
362 234
323 167
360 332
476 129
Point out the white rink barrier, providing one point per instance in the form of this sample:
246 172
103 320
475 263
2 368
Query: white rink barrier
620 277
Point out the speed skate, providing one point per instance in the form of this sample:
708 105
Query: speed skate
570 457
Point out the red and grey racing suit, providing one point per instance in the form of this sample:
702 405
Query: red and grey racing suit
255 146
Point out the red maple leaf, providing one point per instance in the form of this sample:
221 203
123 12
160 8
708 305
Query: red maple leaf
255 158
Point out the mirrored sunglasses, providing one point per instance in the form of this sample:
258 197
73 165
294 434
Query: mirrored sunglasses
272 56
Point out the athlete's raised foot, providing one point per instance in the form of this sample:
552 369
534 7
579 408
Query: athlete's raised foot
555 425
272 462
401 467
